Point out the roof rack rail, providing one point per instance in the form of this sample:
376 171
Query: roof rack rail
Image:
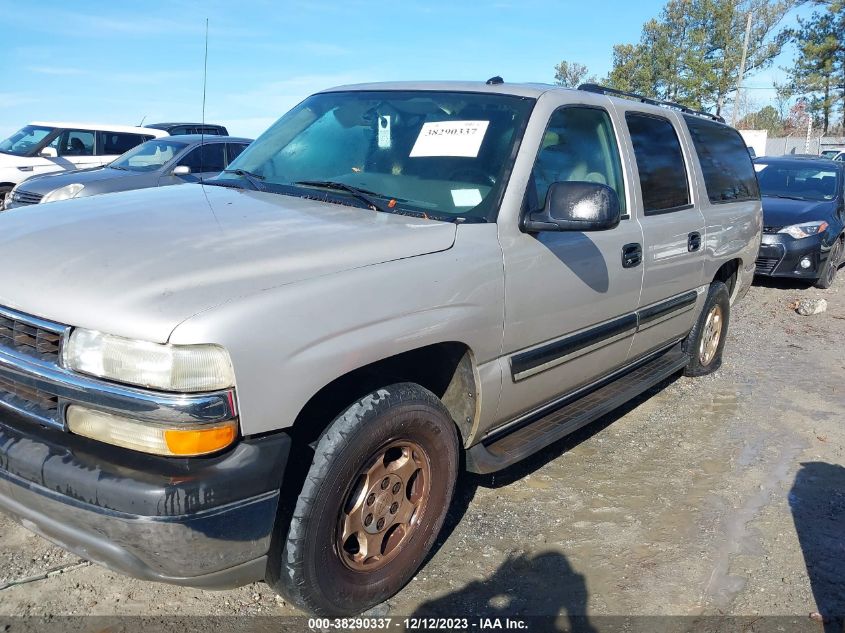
659 102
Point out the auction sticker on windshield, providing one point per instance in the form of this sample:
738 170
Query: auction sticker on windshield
450 138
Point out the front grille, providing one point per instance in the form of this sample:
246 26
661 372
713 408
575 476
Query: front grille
765 265
27 336
26 197
771 229
29 399
28 339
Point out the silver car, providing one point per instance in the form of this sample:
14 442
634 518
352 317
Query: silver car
278 375
173 160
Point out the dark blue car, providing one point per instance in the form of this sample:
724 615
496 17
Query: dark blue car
803 218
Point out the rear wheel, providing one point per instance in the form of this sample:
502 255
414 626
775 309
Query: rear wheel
4 191
706 340
831 266
373 502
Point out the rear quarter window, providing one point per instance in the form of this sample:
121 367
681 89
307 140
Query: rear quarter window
725 163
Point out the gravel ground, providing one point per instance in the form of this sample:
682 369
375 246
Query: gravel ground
717 495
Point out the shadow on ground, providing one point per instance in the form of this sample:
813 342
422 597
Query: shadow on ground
539 587
817 501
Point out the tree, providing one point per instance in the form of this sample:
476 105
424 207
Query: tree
572 74
819 70
692 53
767 118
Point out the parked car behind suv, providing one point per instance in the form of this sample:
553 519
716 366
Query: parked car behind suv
209 129
803 218
173 160
284 369
43 147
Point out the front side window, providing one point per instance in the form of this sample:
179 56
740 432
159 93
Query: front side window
797 181
26 140
579 145
725 161
205 158
660 163
235 150
116 143
440 154
148 156
74 143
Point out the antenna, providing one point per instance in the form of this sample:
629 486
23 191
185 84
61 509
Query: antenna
144 118
204 81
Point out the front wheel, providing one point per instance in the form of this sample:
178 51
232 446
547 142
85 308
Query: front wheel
831 266
706 341
373 502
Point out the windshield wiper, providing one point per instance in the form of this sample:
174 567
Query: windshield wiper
785 197
362 194
253 179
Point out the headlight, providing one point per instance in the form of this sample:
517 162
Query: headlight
183 368
806 229
148 437
63 193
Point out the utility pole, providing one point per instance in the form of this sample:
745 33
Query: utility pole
742 67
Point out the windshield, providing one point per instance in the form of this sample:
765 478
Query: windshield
25 140
441 154
803 182
829 153
148 156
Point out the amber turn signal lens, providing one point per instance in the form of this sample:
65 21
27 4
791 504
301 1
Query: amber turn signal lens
199 441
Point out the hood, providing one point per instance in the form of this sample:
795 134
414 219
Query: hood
784 211
48 182
138 263
13 160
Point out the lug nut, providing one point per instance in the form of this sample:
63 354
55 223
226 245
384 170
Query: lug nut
394 507
385 483
371 499
396 487
368 519
380 523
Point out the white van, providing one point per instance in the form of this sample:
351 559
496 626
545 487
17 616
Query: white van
43 147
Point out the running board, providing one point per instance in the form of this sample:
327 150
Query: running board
503 450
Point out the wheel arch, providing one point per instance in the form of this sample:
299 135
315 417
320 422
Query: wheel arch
728 273
447 369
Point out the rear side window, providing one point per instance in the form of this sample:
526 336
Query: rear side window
115 143
660 162
728 171
205 158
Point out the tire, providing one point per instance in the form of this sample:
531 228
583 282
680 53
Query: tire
400 434
4 191
831 266
705 351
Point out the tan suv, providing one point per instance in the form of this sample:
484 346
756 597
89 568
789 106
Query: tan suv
278 374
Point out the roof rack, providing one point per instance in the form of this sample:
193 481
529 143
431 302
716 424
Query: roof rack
631 95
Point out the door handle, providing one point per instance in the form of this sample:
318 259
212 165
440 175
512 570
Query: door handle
693 241
632 255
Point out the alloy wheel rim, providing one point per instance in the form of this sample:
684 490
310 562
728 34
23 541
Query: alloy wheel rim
711 336
383 506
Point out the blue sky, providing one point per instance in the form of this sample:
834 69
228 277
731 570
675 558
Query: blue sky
119 62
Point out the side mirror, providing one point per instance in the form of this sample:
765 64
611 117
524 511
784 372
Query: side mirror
48 152
575 206
181 170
